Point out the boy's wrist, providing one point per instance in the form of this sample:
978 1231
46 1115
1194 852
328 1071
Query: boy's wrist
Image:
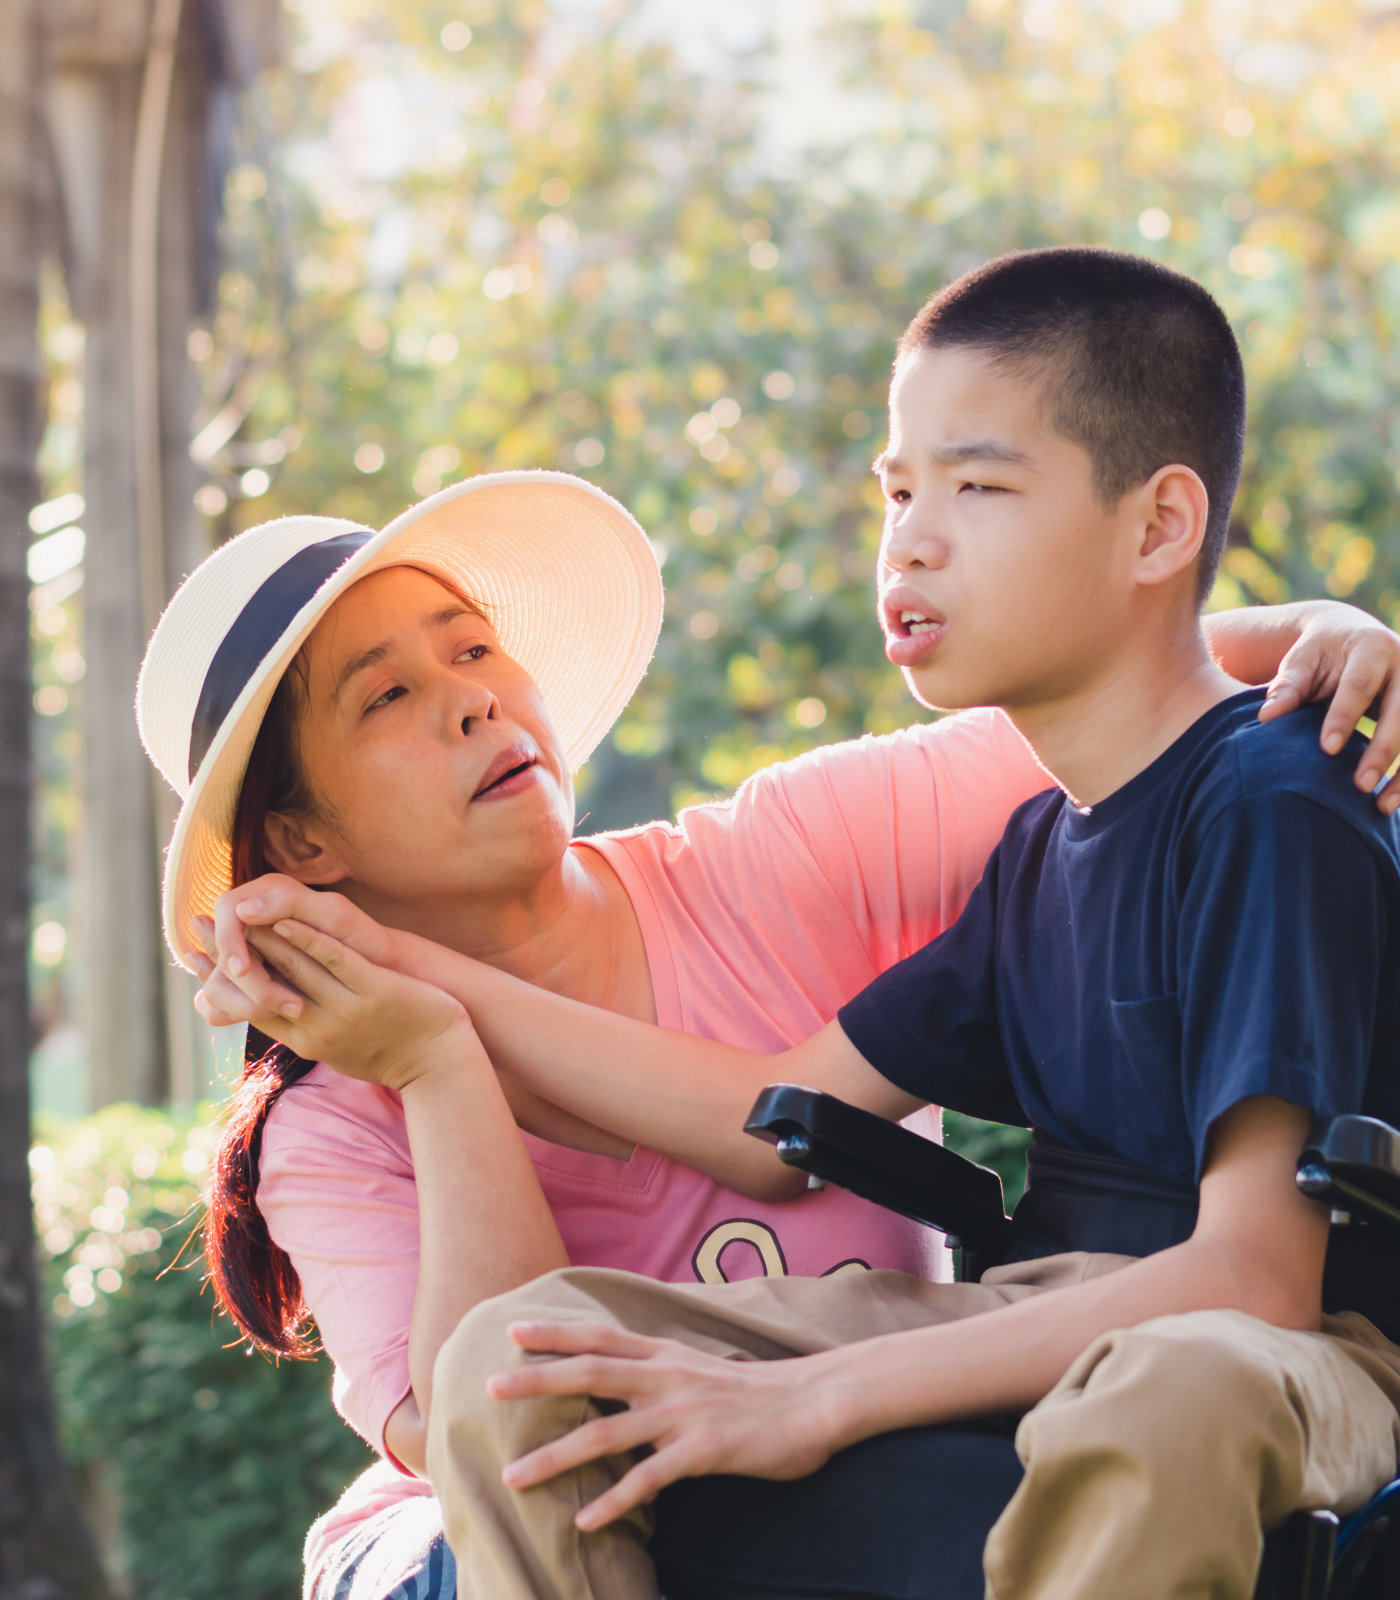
858 1397
398 951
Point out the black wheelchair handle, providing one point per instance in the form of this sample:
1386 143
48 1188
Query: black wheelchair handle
882 1162
1352 1164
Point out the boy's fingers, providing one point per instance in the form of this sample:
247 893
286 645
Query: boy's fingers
276 896
638 1487
285 900
603 1436
343 963
220 993
262 984
212 1015
582 1338
230 947
303 975
602 1377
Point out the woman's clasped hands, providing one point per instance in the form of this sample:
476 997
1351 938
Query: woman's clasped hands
313 972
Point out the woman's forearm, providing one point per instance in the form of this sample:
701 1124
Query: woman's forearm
484 1224
1249 642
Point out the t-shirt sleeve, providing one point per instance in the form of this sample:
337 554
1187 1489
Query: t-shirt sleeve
902 824
1282 934
930 1023
340 1200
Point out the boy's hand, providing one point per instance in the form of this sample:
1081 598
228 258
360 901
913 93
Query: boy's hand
700 1414
1351 657
362 1019
248 992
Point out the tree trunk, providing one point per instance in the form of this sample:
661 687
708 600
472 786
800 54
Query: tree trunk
45 1553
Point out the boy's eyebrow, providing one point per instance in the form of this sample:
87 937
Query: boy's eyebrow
953 455
377 652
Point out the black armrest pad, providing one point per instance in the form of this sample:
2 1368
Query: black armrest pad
1353 1164
881 1161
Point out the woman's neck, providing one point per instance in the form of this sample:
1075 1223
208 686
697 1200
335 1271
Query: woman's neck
575 933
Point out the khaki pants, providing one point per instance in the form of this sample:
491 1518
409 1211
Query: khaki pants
1150 1467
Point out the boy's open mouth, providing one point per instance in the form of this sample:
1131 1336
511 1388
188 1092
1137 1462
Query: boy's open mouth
912 627
509 772
910 623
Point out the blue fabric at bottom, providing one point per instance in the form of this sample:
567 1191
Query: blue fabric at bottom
900 1517
399 1554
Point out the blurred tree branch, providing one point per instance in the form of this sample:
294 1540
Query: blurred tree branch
45 1553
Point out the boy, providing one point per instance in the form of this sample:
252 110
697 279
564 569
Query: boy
1174 961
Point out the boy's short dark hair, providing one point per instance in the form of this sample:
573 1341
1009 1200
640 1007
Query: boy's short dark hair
1142 367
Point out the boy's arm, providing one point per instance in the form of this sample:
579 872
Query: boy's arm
1258 1247
685 1096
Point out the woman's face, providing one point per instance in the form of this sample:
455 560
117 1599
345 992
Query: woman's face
434 768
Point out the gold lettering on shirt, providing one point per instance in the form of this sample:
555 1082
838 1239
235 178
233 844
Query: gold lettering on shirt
741 1230
708 1262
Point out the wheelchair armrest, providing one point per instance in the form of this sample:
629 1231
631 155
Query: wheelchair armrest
883 1162
1353 1164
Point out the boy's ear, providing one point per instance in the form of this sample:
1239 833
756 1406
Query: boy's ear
1174 507
292 849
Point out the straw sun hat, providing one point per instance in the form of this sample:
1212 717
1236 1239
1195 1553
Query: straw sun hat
566 575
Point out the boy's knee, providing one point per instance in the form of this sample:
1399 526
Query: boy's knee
1169 1385
1199 1361
1221 1355
481 1345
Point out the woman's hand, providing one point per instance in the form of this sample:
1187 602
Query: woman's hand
249 992
1345 654
360 1018
700 1414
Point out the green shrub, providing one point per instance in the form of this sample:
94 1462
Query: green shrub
991 1144
204 1464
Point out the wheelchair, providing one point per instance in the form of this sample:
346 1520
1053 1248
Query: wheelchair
1350 1163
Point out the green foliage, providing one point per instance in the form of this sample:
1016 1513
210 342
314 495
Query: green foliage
596 256
204 1465
990 1144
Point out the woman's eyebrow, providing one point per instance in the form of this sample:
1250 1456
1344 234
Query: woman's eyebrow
366 658
377 652
440 619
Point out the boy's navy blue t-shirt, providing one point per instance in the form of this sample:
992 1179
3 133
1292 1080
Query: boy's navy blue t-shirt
1227 924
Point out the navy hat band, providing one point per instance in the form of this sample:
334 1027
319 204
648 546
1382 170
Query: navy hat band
257 629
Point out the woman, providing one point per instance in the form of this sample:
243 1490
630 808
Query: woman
397 715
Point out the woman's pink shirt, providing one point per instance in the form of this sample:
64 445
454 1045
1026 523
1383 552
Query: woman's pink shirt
761 916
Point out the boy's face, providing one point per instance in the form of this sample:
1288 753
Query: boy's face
993 535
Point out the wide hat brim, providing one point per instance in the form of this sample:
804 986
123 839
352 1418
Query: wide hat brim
567 577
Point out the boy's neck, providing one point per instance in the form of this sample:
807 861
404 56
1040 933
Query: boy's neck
1118 722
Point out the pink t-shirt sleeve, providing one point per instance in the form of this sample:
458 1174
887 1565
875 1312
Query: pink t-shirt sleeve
901 825
336 1190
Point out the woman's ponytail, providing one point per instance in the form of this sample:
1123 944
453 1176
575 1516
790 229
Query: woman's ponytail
254 1281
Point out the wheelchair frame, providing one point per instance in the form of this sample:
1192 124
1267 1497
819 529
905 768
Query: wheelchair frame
1350 1163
